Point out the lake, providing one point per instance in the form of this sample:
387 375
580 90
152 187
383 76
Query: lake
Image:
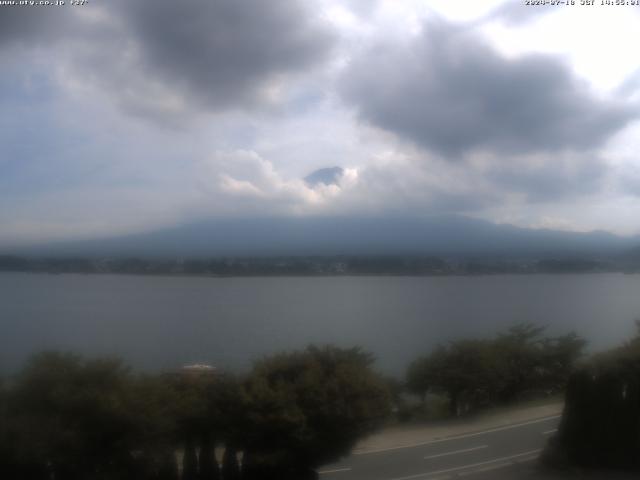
158 323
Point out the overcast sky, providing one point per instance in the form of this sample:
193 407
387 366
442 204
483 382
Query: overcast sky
122 116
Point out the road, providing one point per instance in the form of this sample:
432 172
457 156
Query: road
504 452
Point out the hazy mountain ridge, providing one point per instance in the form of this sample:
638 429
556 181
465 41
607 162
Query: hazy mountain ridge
441 236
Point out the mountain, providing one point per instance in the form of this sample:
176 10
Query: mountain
327 176
278 236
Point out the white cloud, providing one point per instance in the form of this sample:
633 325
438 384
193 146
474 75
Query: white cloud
593 40
246 176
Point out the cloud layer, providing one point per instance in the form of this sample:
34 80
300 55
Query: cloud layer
223 53
160 57
125 116
448 91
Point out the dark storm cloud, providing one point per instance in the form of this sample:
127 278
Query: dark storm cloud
220 53
449 92
201 55
28 25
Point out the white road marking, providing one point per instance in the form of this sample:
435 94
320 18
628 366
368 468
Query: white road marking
456 452
458 437
335 470
549 432
497 466
471 465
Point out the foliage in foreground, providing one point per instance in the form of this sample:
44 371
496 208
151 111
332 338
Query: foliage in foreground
69 418
309 408
479 373
600 425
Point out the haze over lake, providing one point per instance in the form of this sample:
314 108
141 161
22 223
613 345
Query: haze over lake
158 323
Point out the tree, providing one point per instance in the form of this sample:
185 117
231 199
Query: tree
207 464
189 461
230 467
475 373
308 408
167 466
225 409
418 379
526 360
600 425
155 406
72 418
559 356
518 357
463 371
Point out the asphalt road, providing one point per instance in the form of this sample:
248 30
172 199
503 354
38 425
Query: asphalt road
508 452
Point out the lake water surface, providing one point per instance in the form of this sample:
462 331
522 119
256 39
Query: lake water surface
158 323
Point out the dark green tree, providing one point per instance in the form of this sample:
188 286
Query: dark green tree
559 356
75 416
167 466
519 360
476 373
230 467
464 371
189 461
155 407
418 380
600 425
308 408
207 464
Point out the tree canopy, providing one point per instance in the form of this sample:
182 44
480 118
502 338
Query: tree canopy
600 425
476 372
307 408
71 418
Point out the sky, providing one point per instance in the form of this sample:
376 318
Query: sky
120 117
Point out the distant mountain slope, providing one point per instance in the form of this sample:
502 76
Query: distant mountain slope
326 176
437 235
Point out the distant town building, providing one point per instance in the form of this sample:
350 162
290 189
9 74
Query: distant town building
196 372
199 370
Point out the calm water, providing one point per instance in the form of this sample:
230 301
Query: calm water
163 322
